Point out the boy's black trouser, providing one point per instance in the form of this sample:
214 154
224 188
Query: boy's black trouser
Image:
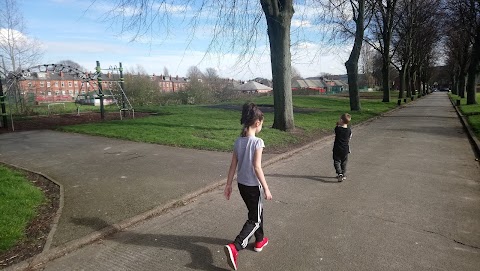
252 196
340 162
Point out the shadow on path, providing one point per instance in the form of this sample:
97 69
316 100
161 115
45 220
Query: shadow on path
201 256
323 179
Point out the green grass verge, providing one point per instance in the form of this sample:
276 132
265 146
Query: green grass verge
201 127
18 202
471 112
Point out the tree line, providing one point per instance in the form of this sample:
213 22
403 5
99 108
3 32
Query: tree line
409 36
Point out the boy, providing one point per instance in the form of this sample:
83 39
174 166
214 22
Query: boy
341 147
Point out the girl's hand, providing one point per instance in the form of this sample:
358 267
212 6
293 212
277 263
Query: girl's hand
268 195
228 191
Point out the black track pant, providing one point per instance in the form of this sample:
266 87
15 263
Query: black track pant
340 163
252 196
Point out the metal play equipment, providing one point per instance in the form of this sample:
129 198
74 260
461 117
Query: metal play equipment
117 92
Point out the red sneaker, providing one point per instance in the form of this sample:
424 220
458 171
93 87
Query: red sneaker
232 255
259 245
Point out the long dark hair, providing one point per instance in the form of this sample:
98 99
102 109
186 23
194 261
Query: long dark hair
250 114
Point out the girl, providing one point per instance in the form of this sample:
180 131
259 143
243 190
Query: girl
247 155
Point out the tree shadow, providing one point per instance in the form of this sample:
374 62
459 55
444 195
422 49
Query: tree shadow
323 179
201 256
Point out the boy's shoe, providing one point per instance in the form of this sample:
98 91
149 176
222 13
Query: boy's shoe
340 177
344 178
259 245
232 255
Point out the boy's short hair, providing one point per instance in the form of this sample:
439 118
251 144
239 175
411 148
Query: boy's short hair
346 118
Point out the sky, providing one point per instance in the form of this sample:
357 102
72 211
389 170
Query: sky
82 31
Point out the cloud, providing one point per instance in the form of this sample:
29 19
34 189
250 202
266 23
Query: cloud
301 23
12 35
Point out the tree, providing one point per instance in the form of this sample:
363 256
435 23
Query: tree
380 36
414 40
140 89
349 19
194 73
358 8
366 59
239 23
72 64
165 72
471 20
17 49
296 74
463 45
278 14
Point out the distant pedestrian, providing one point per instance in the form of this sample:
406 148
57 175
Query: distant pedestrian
341 147
247 162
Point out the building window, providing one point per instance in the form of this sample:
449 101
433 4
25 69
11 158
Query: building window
63 84
42 84
48 84
49 93
56 84
69 84
29 84
57 92
70 92
75 84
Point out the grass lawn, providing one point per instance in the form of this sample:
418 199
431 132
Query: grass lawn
203 127
471 111
18 202
44 109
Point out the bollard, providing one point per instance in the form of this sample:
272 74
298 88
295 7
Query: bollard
458 102
399 102
405 100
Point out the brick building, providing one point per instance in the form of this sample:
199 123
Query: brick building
169 83
60 87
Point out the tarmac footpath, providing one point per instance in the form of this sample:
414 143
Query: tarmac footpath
411 202
110 180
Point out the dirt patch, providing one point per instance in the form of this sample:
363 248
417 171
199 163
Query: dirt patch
55 121
37 231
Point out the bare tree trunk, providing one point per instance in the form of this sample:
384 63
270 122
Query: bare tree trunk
386 75
471 87
473 69
279 15
352 62
418 82
461 85
407 82
413 78
454 85
401 89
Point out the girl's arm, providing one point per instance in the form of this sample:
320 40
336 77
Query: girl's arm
231 173
257 165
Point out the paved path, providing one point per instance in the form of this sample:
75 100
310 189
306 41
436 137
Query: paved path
110 179
412 202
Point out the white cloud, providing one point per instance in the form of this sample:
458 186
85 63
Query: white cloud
301 23
9 34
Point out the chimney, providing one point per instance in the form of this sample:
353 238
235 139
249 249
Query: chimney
176 77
